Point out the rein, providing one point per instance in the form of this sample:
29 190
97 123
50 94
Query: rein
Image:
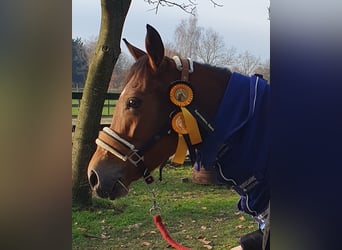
159 224
155 212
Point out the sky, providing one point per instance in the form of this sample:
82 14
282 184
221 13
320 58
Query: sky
243 24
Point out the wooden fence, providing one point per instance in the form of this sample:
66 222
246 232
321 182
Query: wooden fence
107 107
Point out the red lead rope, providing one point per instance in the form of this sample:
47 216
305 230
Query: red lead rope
159 224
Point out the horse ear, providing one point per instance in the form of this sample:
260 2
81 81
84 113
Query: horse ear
154 47
135 52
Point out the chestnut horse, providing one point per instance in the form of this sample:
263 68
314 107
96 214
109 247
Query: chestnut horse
219 116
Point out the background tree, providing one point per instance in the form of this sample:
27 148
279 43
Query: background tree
187 36
120 72
79 63
170 50
230 58
107 51
211 48
89 47
200 44
264 69
246 63
121 67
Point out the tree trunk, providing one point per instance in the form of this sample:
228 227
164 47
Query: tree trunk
113 15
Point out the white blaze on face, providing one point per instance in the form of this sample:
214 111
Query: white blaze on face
123 92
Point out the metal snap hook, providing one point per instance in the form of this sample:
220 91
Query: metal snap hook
154 210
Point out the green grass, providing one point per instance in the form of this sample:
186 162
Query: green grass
192 213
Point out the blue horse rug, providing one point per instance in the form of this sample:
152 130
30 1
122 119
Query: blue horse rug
238 148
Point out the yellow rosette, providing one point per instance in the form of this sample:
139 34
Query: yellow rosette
178 125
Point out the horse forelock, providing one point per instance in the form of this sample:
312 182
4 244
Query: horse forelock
137 73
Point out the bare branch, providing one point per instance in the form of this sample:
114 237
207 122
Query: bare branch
247 63
189 6
216 4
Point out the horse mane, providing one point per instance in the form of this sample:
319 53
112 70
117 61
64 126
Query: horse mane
218 69
139 68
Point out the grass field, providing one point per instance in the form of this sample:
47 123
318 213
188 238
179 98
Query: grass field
197 216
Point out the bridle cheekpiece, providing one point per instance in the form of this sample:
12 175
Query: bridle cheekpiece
105 139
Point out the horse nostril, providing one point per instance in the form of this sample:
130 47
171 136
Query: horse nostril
93 179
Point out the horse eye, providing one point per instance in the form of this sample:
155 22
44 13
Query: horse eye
133 103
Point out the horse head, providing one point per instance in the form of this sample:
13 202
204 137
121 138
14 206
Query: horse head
139 124
141 137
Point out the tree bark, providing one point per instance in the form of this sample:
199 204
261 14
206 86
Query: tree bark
113 15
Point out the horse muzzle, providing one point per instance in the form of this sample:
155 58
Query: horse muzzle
106 185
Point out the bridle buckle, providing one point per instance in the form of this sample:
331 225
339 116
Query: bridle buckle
135 157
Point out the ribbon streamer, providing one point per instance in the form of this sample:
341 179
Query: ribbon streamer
191 126
181 150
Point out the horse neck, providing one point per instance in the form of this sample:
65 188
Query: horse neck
209 85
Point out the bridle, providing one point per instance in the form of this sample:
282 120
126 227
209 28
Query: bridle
112 142
133 155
